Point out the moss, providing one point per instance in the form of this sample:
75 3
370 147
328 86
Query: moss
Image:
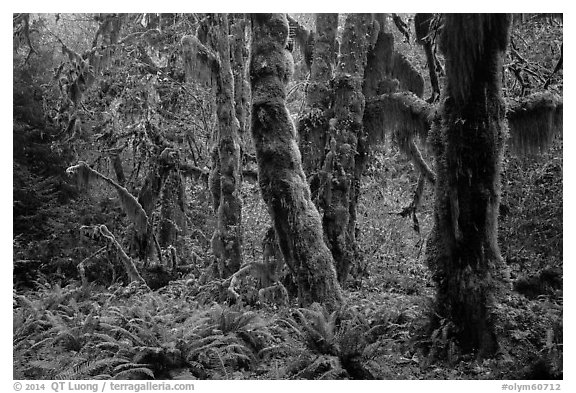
281 178
402 113
534 121
319 92
409 78
463 253
474 34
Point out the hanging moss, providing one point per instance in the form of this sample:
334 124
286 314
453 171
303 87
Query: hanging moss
199 60
282 180
401 113
533 122
379 62
409 78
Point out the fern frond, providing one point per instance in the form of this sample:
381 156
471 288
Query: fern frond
129 365
281 349
134 373
86 368
123 332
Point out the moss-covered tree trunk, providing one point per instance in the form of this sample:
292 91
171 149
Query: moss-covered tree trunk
313 126
239 58
462 252
340 213
227 238
172 227
282 180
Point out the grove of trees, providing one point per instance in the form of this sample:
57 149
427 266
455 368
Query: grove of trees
352 196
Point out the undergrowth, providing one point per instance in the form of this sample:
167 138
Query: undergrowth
190 329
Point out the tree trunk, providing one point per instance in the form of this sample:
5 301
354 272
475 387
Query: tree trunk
172 211
282 180
340 213
227 239
239 58
313 126
462 252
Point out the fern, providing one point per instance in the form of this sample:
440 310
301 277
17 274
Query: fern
87 368
123 332
135 373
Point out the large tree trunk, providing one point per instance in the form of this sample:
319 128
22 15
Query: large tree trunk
462 252
227 238
282 180
340 213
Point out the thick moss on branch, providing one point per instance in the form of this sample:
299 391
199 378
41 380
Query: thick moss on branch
402 113
282 180
533 122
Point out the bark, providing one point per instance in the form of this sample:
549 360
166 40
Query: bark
227 238
340 213
463 252
282 180
239 58
313 126
172 211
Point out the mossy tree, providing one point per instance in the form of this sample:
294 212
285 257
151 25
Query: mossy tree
463 252
333 137
313 124
346 136
213 46
282 181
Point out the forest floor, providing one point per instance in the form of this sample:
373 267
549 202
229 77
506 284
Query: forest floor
187 330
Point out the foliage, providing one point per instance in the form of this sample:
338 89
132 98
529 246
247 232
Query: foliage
141 102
